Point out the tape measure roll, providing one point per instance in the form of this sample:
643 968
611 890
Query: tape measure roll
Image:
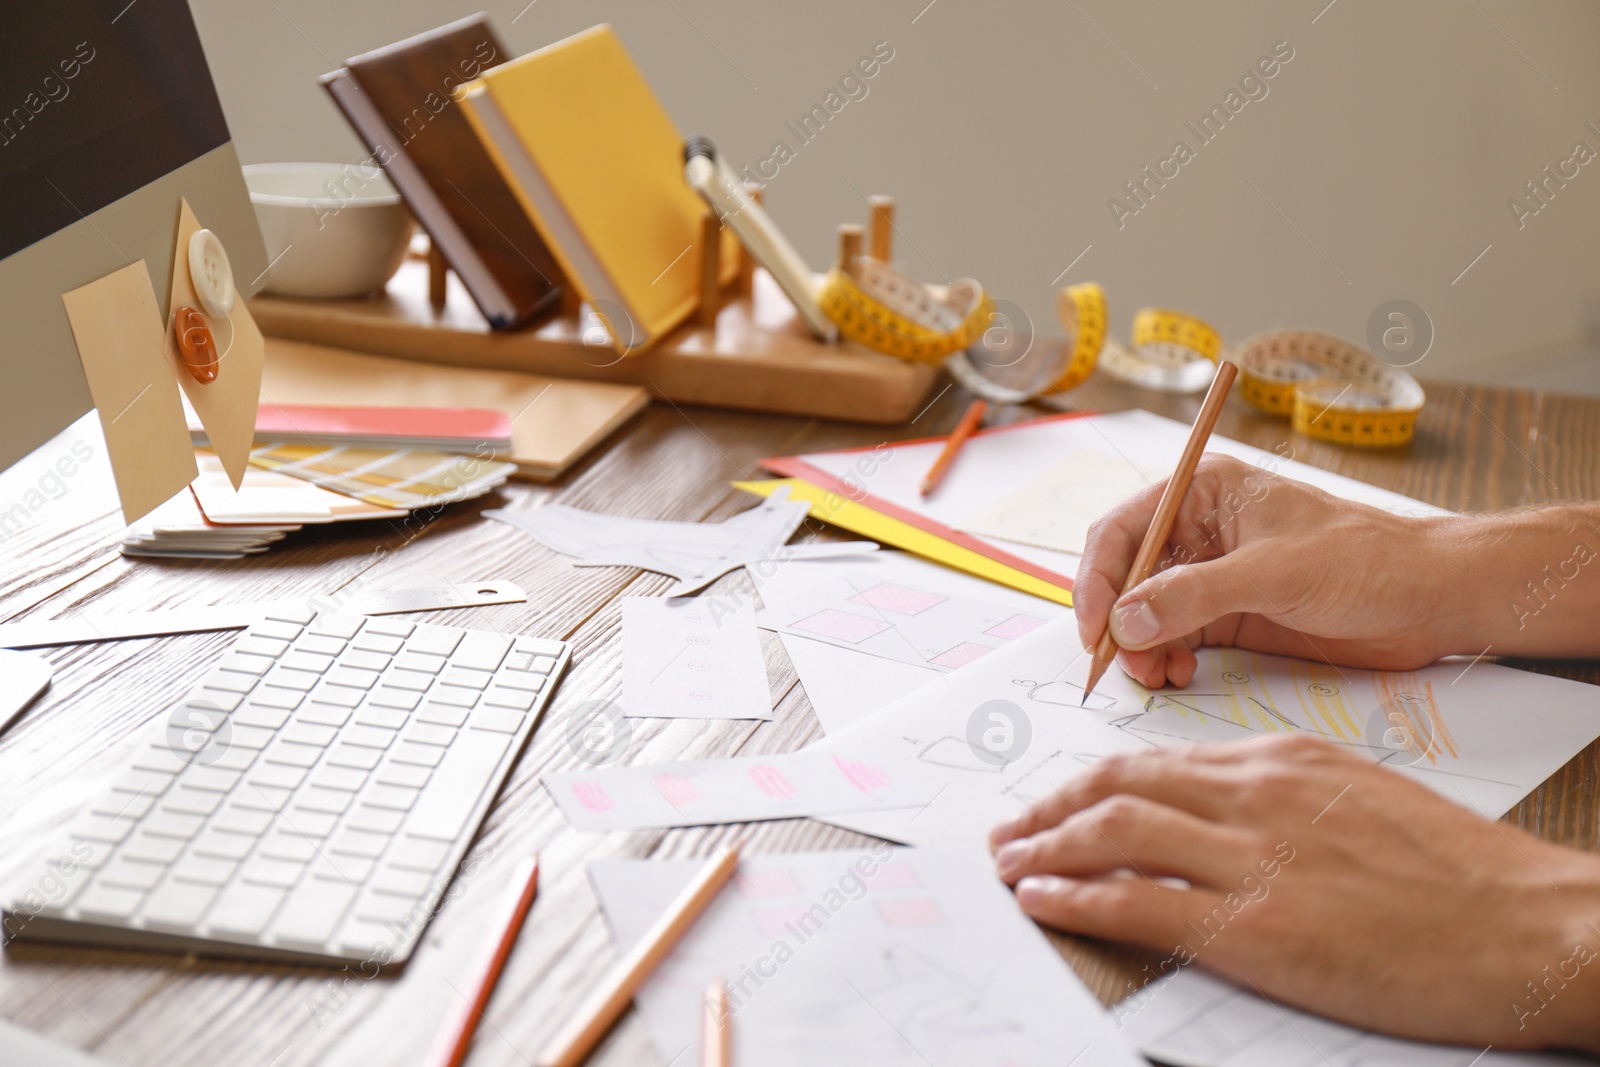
877 306
1008 365
1170 351
1082 309
1329 388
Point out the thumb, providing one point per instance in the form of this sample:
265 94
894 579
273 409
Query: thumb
1184 599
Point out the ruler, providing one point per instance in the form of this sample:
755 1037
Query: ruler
80 629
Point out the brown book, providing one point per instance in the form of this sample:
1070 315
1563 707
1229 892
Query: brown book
398 98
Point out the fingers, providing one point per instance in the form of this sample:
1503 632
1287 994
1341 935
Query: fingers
1185 599
1117 909
1108 554
1131 833
1173 662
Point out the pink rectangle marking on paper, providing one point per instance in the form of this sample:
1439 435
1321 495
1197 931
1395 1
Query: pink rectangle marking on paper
592 796
863 776
1014 627
767 884
896 875
910 911
771 781
831 622
961 655
898 599
677 790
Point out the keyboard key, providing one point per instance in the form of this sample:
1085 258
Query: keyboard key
237 820
387 696
276 628
159 758
418 755
317 824
343 626
123 805
205 870
274 697
145 846
443 714
367 736
538 646
261 798
344 868
529 661
516 699
365 940
348 755
131 874
374 820
312 798
166 823
287 845
370 641
503 720
399 678
427 733
454 695
261 646
219 699
401 882
359 843
415 854
312 913
189 801
101 901
436 640
457 783
481 650
244 909
348 779
145 783
528 683
288 678
301 660
177 906
278 775
466 677
392 797
420 661
353 677
364 660
301 732
222 846
320 644
231 681
254 738
245 663
216 779
287 752
323 714
383 907
106 828
281 873
256 715
233 758
343 696
406 774
385 718
389 627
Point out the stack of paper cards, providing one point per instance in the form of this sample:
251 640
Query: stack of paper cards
386 478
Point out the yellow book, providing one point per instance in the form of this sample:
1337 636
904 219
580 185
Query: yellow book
598 165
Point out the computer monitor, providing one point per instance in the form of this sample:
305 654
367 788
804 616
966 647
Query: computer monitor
108 118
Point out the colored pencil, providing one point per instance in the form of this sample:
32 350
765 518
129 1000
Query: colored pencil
952 446
716 1028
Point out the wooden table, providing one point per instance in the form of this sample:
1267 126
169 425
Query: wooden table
1477 448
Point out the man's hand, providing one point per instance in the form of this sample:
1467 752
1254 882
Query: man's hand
1326 882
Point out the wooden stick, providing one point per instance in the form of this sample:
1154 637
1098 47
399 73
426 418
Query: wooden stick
1155 538
747 262
716 1028
450 1050
964 429
611 997
849 246
438 276
710 268
882 227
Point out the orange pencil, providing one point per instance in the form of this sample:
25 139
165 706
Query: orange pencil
716 1028
1177 488
454 1040
964 429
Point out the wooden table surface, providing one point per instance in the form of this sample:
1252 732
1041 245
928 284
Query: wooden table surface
1477 448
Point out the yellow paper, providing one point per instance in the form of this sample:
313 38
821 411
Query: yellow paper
226 406
858 518
117 326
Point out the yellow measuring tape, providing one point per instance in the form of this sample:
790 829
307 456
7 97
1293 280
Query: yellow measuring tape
1171 351
1330 388
875 305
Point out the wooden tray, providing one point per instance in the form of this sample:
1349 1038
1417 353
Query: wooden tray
756 358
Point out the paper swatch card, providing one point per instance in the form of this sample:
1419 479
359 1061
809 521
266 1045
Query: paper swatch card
742 789
882 958
696 658
1056 509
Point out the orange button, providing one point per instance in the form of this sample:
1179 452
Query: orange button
195 343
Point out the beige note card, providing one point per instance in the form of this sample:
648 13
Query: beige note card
226 406
117 326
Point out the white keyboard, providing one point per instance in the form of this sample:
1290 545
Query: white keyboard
310 800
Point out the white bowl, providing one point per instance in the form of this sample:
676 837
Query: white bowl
331 229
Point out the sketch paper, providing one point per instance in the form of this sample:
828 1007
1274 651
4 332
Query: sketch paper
695 553
692 658
790 785
890 957
1006 730
845 684
1056 509
1195 1019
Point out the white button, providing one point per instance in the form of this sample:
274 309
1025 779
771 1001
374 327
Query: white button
210 272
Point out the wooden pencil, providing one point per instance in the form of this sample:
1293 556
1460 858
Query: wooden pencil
456 1038
964 429
716 1028
595 1016
1155 538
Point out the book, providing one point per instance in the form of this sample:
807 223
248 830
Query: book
554 421
598 165
398 99
479 431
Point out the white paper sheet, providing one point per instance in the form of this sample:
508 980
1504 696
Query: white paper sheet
1056 509
1195 1019
1483 739
695 553
694 658
789 785
890 957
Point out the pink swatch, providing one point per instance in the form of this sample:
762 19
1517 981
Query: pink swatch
864 777
832 622
1014 627
897 875
915 911
677 790
771 781
898 599
592 796
961 655
767 884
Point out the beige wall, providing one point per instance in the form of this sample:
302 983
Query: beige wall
1377 166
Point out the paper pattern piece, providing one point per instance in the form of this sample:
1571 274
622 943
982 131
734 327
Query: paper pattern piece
695 553
884 958
742 789
692 658
905 621
1005 731
1195 1019
117 327
1056 509
226 406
